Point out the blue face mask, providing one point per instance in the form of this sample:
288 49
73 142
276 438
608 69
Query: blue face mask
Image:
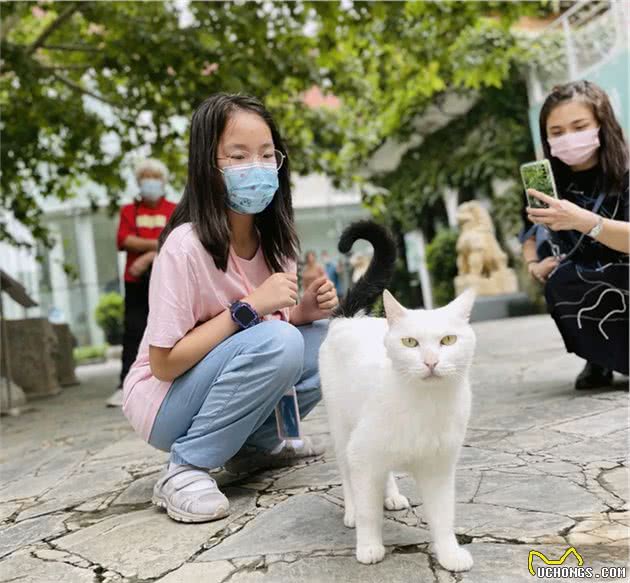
250 187
151 188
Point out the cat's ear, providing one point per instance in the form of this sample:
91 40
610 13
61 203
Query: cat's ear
462 305
393 310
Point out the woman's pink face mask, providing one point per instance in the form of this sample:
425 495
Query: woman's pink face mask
575 148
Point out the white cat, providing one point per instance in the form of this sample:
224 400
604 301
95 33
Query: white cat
398 398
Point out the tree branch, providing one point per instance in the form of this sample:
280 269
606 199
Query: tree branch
74 48
52 27
65 67
76 87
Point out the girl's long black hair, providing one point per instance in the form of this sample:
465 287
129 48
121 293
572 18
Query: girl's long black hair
613 151
204 200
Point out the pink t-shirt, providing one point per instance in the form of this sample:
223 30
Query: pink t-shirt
186 289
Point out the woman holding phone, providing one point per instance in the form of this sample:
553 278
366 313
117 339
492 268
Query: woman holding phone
577 245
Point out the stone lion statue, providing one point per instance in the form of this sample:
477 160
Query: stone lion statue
481 263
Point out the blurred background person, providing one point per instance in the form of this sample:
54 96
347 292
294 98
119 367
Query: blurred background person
342 276
359 263
141 223
312 269
330 267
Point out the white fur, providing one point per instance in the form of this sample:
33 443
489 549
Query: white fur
387 413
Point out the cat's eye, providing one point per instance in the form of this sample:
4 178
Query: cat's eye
448 340
409 342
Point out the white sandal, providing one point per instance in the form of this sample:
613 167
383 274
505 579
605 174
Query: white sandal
199 505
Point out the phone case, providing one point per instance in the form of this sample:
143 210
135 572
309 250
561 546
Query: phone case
539 176
288 417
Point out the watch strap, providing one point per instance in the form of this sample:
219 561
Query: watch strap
597 229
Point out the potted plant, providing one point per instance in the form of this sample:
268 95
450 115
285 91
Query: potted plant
109 316
441 256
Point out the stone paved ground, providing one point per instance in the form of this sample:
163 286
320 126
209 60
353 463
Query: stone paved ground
544 467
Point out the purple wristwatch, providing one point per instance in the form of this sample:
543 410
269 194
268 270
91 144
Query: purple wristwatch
244 315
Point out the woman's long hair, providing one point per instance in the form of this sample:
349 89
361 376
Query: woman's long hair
204 201
613 151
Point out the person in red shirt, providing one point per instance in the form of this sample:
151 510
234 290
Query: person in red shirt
141 223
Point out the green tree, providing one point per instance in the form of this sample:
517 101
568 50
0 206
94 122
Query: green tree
385 61
467 155
77 74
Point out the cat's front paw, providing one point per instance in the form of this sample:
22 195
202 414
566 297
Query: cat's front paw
368 554
348 519
456 559
396 502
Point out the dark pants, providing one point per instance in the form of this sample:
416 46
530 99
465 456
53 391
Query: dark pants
136 314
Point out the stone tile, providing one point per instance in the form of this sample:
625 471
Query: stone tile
532 440
507 563
302 523
544 494
466 484
394 568
37 473
96 504
596 425
128 452
47 554
24 568
139 491
485 520
316 474
616 480
596 449
80 487
557 468
8 509
38 462
30 531
481 459
609 527
148 543
540 406
200 573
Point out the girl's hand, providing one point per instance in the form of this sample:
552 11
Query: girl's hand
318 301
540 271
140 265
278 291
562 215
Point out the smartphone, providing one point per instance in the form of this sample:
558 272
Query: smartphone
288 417
538 175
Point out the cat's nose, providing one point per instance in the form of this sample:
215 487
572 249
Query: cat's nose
431 364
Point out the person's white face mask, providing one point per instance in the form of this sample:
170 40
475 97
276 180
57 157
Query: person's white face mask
151 189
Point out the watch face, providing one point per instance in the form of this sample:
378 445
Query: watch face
245 316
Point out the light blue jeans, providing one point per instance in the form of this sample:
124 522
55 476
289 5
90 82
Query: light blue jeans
228 398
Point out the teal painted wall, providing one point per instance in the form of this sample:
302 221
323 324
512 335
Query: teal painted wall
612 76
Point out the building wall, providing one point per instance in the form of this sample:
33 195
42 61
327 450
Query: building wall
591 47
86 241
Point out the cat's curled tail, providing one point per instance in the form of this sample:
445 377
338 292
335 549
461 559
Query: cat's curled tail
363 294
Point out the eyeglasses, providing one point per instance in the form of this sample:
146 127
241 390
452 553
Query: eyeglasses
239 158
